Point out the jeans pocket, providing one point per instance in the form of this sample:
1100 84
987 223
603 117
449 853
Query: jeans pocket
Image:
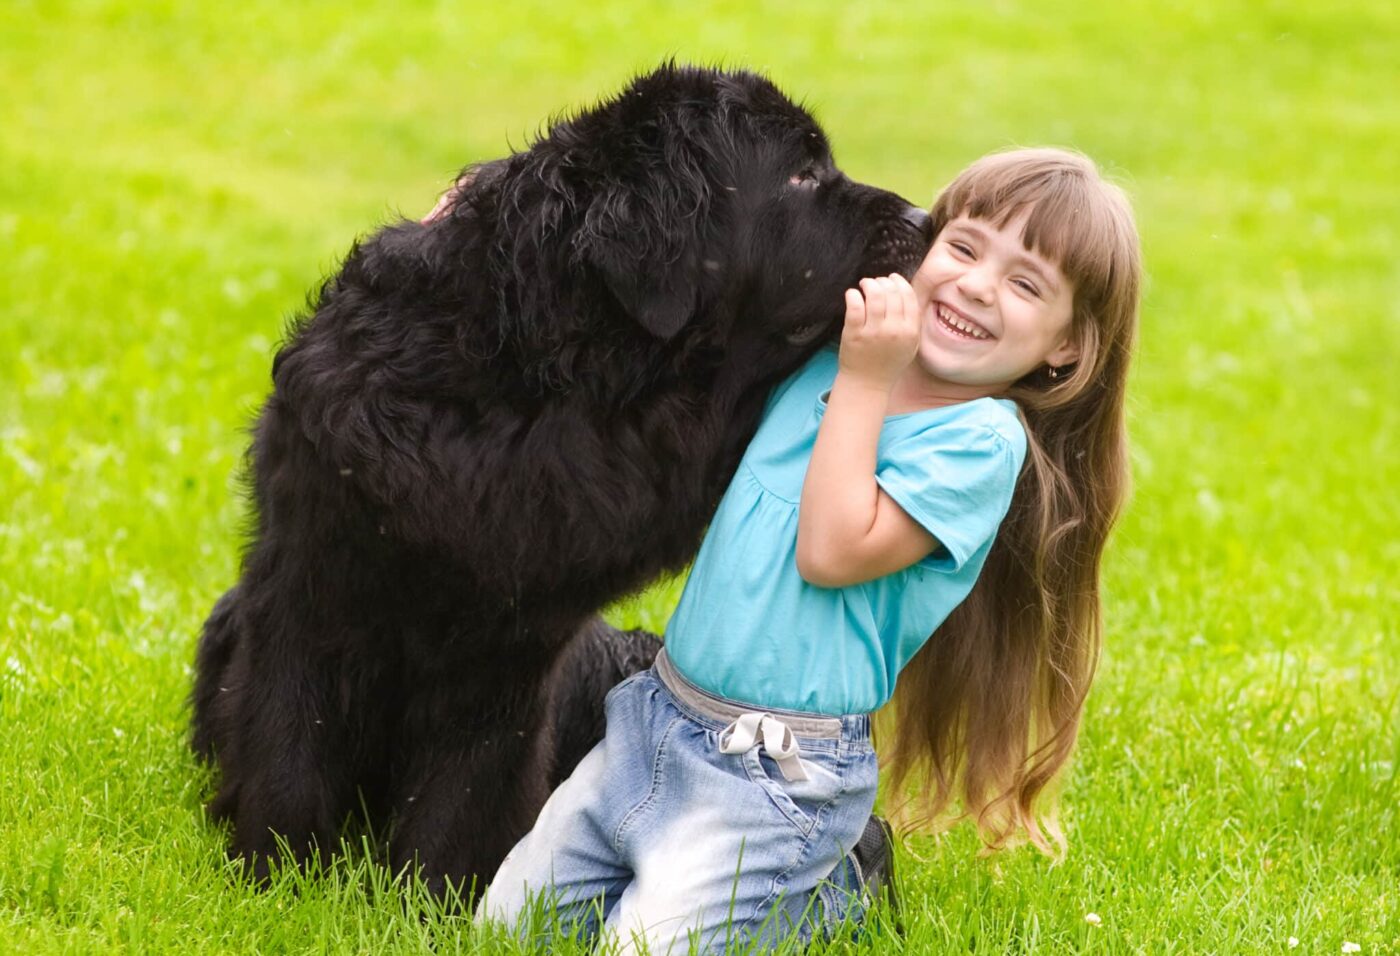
802 802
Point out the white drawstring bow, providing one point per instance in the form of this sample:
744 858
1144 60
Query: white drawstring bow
775 737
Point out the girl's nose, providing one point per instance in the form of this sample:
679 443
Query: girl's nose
976 285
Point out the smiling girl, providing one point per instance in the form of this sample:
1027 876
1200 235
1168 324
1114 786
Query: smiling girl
925 507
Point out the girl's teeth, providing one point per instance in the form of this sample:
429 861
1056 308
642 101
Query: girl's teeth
952 319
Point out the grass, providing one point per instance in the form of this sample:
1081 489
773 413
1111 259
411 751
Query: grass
174 177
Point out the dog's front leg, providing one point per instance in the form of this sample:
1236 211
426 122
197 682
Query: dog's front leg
472 786
285 757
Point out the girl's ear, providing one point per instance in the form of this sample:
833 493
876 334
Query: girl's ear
1066 353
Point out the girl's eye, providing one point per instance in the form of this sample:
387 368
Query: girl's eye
1027 287
961 248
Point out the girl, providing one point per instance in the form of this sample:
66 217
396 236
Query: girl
968 432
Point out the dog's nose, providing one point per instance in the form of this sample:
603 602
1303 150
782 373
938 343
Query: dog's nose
919 219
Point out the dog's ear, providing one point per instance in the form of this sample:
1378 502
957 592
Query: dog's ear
654 281
643 233
645 198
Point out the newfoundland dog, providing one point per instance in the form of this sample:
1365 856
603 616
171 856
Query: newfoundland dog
492 425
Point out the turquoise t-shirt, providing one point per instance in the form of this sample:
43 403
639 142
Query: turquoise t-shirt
750 629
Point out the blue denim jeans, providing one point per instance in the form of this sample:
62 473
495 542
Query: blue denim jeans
662 838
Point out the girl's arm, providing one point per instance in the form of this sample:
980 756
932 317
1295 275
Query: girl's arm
849 530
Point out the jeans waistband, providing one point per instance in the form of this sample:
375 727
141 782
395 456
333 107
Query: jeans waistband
726 711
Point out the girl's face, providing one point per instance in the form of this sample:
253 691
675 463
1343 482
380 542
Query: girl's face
992 310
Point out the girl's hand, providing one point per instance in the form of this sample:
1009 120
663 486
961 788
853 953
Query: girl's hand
444 203
448 199
881 334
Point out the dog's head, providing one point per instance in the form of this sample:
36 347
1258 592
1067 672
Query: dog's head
698 202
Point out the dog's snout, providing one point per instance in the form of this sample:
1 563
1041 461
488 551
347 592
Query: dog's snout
920 220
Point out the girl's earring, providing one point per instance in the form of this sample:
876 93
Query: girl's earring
1054 372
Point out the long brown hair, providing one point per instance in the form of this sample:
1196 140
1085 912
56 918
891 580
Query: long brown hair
987 713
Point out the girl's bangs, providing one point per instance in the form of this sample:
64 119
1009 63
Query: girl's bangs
1071 221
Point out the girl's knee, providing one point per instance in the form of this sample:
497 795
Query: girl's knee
498 905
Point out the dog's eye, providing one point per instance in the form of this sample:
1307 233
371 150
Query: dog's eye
807 178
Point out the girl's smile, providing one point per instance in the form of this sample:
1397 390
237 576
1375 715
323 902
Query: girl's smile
954 323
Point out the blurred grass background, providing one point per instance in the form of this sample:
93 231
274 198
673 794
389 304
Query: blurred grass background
174 177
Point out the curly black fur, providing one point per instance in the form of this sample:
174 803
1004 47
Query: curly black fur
494 425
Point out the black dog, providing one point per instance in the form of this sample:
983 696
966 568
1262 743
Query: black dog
494 425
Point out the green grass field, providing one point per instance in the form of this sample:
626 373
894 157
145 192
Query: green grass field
174 177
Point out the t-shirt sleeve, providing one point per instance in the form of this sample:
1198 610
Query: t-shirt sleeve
956 480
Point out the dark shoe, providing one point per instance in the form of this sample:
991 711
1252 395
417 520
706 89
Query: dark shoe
874 858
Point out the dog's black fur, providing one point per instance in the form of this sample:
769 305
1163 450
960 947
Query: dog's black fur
495 424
